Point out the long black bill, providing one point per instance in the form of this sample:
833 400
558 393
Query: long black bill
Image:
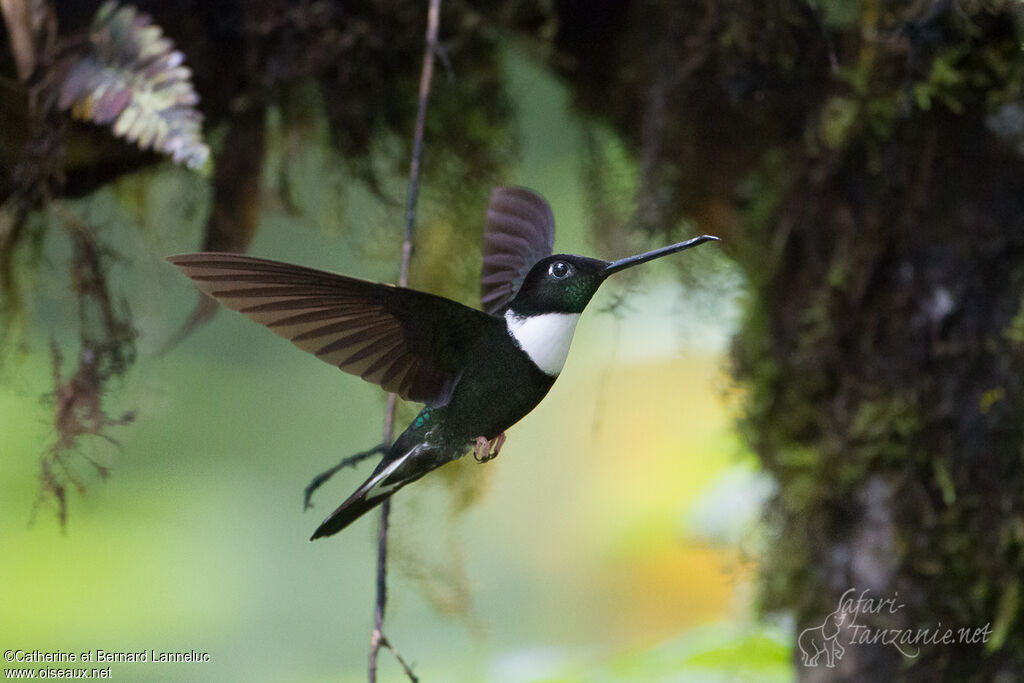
630 261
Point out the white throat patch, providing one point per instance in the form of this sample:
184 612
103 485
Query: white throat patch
545 338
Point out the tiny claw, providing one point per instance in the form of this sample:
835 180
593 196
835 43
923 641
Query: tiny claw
480 449
485 450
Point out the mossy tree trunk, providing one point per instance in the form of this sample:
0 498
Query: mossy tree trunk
869 155
885 380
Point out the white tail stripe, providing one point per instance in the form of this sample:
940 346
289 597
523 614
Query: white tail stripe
375 489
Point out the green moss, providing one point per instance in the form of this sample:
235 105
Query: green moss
838 14
1014 332
944 480
882 430
1006 616
990 398
838 117
945 83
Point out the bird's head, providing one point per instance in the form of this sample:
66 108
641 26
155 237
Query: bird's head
565 283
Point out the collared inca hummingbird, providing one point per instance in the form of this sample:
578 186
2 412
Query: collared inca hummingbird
477 372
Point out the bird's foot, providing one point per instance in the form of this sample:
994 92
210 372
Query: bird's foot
485 450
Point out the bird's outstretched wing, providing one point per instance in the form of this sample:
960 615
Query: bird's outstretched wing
412 343
520 230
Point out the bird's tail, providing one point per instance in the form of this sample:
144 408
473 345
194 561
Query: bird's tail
352 509
388 477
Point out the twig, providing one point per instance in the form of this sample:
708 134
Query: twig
378 638
350 461
405 667
433 21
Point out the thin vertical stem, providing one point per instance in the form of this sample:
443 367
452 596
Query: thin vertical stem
426 76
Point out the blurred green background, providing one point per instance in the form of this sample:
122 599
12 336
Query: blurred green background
614 539
863 163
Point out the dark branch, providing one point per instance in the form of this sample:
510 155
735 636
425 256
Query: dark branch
378 639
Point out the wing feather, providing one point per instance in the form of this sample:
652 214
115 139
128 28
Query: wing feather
520 230
408 342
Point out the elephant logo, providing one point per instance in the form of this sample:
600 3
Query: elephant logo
822 640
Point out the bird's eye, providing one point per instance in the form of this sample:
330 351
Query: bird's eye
559 270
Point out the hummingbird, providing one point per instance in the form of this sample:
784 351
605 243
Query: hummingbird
476 372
